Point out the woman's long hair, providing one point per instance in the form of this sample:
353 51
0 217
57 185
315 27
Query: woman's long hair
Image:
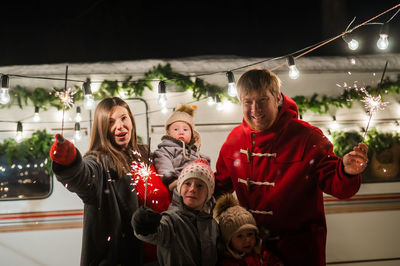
101 142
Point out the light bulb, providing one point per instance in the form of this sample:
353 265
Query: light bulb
88 102
162 94
78 134
164 110
232 90
19 135
353 44
293 72
231 84
59 115
210 101
383 42
78 117
36 116
162 99
219 106
4 96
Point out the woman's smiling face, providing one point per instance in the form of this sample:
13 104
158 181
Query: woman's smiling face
120 126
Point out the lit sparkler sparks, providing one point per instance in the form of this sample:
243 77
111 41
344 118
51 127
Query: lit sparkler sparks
373 104
142 172
66 97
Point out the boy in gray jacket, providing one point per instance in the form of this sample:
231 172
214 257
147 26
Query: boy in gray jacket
185 234
180 146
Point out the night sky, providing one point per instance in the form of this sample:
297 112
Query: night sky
44 32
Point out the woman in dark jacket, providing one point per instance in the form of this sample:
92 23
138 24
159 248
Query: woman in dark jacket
100 179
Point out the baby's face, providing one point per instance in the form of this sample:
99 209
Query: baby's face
244 241
180 130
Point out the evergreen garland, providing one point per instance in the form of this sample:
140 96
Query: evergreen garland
319 104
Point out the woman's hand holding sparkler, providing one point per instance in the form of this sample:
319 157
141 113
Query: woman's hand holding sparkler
62 151
356 161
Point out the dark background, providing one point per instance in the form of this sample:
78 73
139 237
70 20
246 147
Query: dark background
43 31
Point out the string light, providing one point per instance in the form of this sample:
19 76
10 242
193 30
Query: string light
219 106
162 94
59 114
4 95
88 101
231 84
383 42
77 129
78 117
352 43
19 135
210 99
293 71
36 116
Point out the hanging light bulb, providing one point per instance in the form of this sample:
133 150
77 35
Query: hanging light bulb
36 116
352 43
4 95
88 102
162 94
210 99
293 71
77 129
383 41
19 135
78 117
219 106
231 84
59 114
334 126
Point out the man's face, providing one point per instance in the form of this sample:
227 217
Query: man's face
260 109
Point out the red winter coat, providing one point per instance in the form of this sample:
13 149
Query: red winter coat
279 174
253 259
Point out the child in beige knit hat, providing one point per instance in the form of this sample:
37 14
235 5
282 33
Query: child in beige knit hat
179 146
241 244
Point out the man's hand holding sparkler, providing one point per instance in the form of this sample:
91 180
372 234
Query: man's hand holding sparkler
356 161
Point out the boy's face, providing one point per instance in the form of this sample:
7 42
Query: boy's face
194 193
244 241
180 130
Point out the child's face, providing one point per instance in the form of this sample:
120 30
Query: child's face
244 241
180 130
194 193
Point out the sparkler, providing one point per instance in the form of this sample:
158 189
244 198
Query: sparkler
373 104
143 171
66 98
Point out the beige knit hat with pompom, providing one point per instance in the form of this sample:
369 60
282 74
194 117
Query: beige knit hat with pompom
185 113
232 218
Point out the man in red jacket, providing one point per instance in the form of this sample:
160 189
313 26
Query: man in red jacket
280 166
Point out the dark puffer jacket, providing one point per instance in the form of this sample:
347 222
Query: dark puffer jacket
109 203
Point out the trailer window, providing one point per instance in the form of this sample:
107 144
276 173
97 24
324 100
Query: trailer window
24 180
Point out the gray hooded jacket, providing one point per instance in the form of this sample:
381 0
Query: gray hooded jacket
172 156
185 236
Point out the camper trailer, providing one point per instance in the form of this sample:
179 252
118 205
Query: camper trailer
41 221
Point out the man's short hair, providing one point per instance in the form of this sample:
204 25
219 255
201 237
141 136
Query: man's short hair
256 80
